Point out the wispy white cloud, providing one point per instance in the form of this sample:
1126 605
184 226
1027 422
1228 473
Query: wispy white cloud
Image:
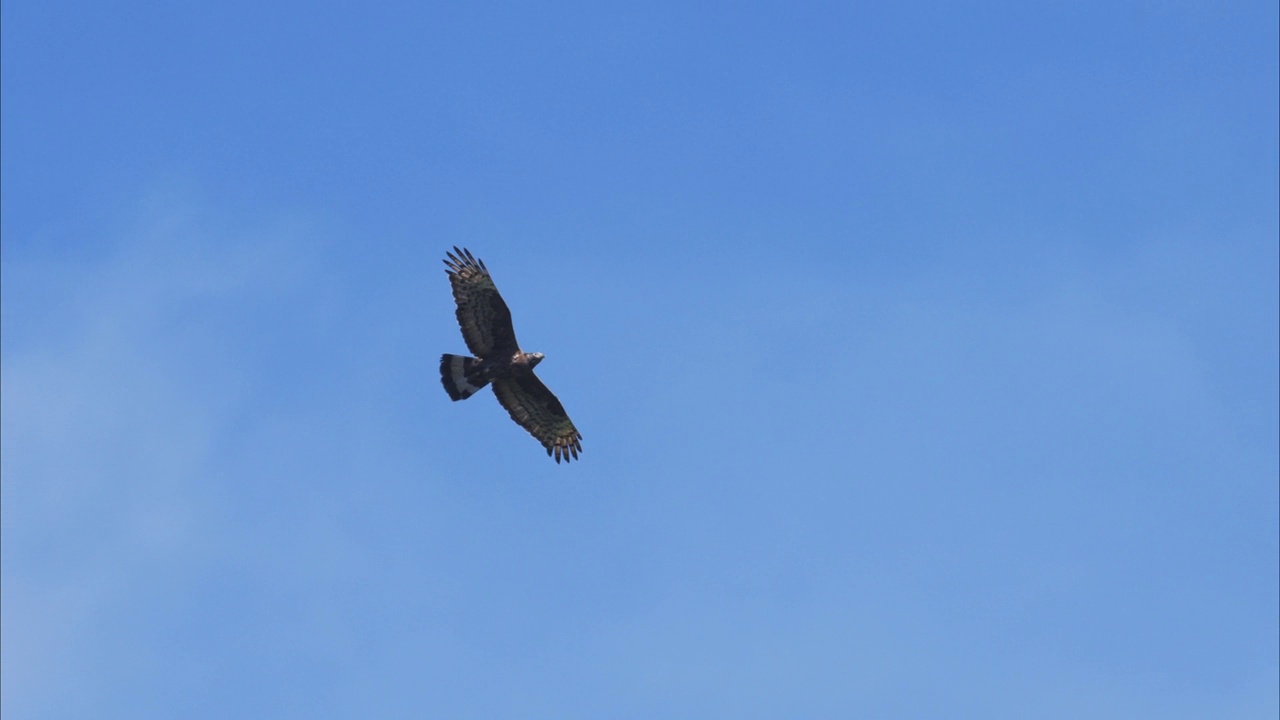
119 378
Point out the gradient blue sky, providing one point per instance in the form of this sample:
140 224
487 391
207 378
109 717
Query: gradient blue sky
926 356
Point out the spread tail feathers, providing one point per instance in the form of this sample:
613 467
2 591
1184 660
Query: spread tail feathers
461 376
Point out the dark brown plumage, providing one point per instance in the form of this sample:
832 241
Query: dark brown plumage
486 327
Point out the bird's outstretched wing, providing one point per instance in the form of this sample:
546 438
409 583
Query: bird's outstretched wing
482 314
537 410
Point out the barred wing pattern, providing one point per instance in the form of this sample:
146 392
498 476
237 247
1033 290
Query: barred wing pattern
537 410
482 314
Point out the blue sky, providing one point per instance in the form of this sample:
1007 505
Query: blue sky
926 357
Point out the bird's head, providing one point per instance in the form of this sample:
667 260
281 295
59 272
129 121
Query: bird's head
534 359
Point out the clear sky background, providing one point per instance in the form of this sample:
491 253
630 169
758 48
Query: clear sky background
926 356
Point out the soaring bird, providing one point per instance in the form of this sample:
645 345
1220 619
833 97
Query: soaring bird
486 328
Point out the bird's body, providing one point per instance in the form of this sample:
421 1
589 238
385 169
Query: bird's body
486 327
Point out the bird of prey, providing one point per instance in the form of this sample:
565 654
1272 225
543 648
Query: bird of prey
486 328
